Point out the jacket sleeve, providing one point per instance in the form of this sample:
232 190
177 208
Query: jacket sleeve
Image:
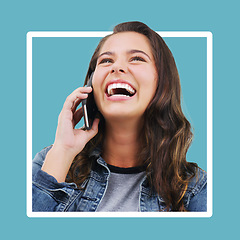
47 194
197 201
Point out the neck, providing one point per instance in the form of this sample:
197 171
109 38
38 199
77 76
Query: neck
121 144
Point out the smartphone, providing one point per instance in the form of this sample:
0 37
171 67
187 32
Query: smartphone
89 107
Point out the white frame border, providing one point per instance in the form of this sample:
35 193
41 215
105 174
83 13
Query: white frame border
209 37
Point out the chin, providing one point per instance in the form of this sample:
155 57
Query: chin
119 115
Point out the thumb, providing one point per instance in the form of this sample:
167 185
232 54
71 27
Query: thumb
94 130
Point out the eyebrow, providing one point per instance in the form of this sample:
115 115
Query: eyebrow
105 53
138 51
129 52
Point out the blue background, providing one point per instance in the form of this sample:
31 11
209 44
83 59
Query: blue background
19 17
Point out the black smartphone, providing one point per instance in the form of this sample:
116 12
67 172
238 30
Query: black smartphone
89 107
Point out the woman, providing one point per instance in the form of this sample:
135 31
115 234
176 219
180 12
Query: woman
134 157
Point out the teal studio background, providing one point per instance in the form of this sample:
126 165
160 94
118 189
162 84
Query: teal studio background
59 66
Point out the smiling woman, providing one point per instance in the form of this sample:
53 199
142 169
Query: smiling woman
125 58
134 156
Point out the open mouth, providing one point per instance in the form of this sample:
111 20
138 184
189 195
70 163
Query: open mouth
120 89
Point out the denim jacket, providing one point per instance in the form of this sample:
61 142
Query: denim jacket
50 196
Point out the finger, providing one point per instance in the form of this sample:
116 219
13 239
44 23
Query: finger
75 104
79 93
93 131
84 136
77 116
95 124
82 90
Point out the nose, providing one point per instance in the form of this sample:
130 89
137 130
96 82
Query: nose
118 68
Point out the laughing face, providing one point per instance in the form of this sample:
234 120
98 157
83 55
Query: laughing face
125 77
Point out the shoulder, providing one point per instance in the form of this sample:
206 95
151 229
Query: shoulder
196 195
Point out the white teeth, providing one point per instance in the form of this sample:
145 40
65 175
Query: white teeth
119 85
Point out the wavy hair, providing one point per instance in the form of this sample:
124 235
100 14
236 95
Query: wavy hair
166 134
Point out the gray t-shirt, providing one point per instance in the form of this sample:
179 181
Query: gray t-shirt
123 189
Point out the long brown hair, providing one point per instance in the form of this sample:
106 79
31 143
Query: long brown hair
166 135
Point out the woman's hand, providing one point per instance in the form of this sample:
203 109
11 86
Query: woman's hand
67 137
68 141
